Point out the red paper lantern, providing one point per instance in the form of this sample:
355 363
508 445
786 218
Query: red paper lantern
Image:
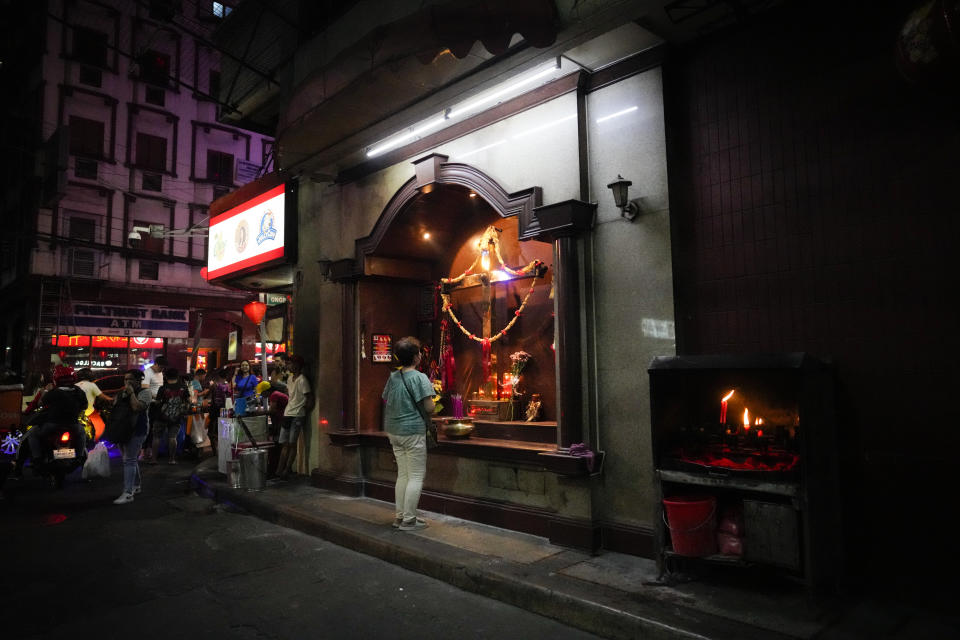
62 354
103 354
255 310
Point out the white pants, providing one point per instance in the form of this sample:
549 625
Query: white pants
411 455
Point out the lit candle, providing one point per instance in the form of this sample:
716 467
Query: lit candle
746 420
723 407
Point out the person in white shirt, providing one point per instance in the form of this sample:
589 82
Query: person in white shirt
294 416
89 387
153 380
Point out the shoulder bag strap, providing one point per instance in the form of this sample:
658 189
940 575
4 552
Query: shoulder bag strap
420 409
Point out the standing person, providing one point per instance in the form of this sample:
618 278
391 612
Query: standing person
199 391
173 400
294 416
244 387
404 425
153 380
219 392
274 404
139 398
281 368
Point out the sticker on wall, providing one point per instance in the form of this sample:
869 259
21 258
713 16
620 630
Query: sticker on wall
381 347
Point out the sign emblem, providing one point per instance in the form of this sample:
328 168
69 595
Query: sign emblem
267 230
219 246
241 236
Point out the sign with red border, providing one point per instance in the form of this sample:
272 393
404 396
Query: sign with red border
248 235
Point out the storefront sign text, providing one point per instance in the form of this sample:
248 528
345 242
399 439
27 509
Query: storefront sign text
119 320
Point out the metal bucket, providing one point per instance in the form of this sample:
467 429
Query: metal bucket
233 473
253 469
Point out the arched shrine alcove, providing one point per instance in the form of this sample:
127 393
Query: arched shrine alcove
427 245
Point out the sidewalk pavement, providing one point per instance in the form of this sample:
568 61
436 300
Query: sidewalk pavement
612 595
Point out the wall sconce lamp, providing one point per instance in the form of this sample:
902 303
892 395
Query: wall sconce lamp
628 208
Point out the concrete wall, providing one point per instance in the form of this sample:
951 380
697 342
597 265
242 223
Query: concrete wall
630 287
628 282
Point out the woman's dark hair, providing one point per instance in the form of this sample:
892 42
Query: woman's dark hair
136 373
85 374
406 350
200 372
171 373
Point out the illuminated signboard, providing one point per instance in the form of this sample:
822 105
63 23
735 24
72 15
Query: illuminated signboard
129 320
107 342
249 235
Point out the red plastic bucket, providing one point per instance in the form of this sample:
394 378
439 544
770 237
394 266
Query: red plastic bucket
692 521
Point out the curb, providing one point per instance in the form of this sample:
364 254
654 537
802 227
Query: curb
597 609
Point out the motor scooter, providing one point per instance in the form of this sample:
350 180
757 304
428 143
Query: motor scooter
59 445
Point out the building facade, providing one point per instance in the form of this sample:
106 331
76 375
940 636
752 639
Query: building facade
790 200
114 152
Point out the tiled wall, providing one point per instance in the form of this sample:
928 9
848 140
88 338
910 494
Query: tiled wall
815 205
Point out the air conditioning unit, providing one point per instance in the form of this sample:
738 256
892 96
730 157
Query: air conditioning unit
83 262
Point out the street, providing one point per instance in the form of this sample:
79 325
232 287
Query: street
175 564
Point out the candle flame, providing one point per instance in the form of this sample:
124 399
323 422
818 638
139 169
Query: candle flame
728 396
485 260
746 418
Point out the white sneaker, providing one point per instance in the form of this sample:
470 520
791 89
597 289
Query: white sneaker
124 498
136 490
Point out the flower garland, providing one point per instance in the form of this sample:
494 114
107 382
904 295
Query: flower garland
491 236
486 342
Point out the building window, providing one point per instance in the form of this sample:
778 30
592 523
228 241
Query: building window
155 68
86 137
82 260
151 152
220 167
91 76
155 95
221 9
85 168
90 46
149 270
215 85
152 181
83 229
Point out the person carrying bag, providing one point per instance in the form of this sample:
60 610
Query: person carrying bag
408 395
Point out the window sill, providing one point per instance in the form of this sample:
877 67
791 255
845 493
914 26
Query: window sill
543 455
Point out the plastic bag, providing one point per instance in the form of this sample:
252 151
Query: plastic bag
198 434
731 520
730 545
98 463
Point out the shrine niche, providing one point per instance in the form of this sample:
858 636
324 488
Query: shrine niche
447 262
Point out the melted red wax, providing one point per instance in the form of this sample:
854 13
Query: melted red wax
759 462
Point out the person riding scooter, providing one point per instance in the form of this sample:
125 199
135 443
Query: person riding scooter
60 409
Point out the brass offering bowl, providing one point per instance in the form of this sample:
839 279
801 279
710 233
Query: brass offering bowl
457 427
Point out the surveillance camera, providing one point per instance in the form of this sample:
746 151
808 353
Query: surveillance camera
134 240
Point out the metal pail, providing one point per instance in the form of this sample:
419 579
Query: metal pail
233 473
253 469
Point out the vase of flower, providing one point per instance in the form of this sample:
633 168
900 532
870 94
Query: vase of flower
518 362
